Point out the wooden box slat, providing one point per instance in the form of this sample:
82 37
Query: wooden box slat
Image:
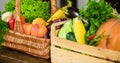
99 54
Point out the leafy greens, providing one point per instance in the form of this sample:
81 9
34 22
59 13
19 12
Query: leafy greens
95 14
4 29
31 9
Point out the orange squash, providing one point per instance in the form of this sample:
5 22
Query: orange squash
111 34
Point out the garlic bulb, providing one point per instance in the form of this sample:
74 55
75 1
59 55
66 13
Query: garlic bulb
6 16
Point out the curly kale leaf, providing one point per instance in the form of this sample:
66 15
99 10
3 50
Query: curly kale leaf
31 9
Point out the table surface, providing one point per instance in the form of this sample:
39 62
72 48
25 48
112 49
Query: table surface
12 56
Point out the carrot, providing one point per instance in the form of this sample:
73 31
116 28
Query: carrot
22 19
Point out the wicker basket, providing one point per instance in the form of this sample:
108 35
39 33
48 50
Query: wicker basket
39 47
72 52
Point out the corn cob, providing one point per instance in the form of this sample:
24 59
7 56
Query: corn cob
79 30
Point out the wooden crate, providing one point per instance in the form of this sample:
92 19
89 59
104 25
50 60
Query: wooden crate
72 52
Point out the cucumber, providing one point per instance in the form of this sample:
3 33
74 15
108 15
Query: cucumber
71 36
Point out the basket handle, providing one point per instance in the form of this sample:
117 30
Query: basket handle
53 7
18 24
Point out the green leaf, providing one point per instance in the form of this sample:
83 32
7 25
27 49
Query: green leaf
4 29
95 14
31 9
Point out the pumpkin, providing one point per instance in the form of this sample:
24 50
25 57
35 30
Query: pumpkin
111 34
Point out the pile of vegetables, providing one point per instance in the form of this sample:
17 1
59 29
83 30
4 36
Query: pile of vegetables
36 28
69 30
89 26
31 9
34 14
95 13
94 25
93 16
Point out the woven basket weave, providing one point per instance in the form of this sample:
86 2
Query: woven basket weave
39 47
